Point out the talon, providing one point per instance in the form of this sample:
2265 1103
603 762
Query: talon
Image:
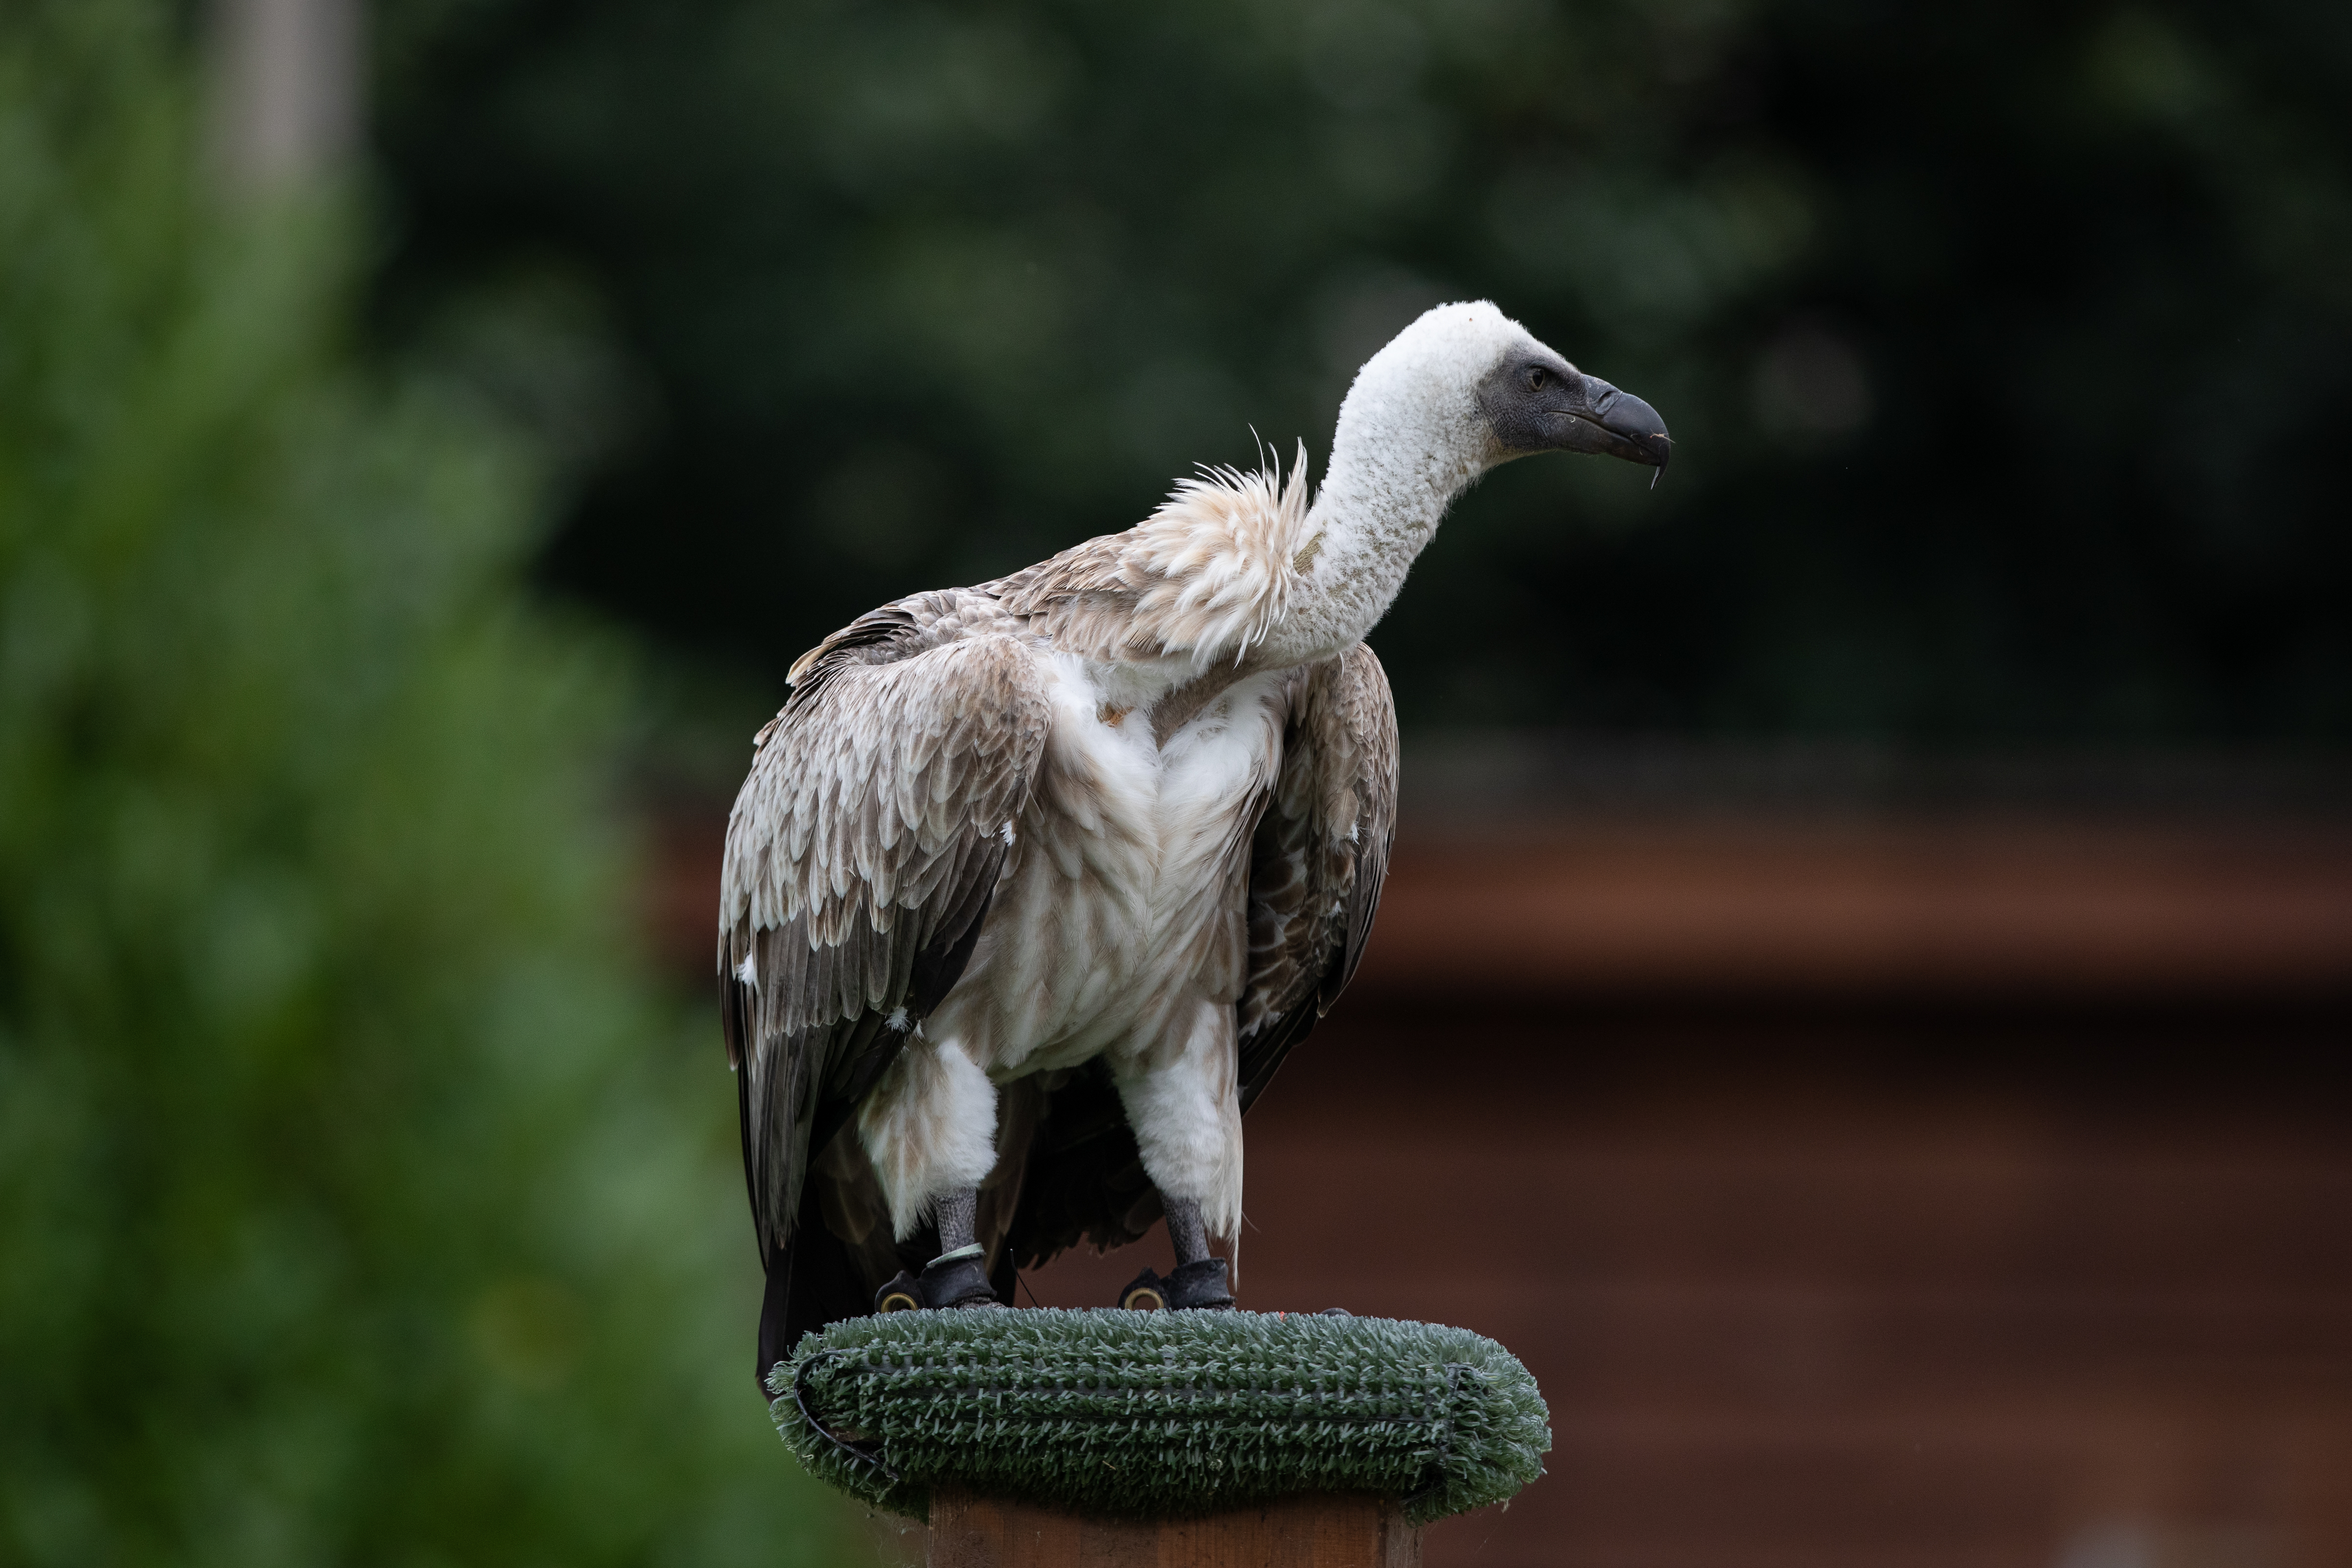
1147 1292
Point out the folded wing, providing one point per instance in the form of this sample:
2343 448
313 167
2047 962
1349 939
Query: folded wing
1319 858
861 855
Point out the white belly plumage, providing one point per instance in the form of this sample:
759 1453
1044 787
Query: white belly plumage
1118 928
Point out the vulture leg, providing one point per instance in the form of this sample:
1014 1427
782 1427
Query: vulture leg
959 1216
957 1276
1187 1232
1179 1092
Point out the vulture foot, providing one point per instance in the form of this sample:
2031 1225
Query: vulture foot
1196 1286
952 1279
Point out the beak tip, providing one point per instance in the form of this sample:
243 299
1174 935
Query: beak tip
1634 422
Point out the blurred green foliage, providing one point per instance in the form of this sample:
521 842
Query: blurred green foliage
358 1202
2006 345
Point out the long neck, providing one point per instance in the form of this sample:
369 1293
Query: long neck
1389 484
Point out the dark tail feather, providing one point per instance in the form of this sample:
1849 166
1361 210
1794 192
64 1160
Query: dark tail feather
812 1282
773 1312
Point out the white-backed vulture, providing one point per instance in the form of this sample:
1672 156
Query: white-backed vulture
1032 884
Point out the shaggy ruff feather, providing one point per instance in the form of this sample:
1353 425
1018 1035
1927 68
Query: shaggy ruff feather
1204 578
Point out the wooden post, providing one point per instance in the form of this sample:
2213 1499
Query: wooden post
1319 1529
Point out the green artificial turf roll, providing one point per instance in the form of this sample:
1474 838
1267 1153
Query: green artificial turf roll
1160 1415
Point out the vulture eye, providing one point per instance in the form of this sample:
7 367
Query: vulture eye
1535 379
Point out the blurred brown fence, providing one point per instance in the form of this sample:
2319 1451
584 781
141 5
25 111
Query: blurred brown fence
1928 1170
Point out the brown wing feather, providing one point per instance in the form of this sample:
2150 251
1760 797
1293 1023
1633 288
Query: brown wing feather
1319 858
861 857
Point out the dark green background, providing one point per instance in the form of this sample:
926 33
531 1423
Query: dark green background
365 1196
364 1199
2008 347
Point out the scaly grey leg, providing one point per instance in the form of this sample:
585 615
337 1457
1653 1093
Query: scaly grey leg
1186 1232
959 1215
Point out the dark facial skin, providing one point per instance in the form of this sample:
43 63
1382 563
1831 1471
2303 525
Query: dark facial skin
1537 402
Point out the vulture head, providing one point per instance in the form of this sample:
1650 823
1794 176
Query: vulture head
1469 388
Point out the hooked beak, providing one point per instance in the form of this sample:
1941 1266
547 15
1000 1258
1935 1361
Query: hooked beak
1615 424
